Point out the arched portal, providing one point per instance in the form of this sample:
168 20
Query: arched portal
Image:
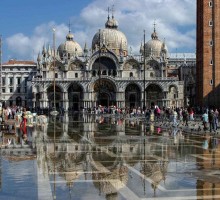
58 97
18 101
104 66
173 95
132 96
75 96
154 95
105 92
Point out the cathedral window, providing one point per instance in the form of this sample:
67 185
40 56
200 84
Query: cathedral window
104 72
211 82
210 23
211 62
131 74
210 3
76 75
56 75
211 43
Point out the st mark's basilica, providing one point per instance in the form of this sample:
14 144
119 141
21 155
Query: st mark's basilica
106 74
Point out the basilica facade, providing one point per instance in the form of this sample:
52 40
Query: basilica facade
72 77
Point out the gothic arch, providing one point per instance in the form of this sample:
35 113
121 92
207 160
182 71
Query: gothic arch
132 96
75 96
131 64
105 92
173 93
154 95
58 96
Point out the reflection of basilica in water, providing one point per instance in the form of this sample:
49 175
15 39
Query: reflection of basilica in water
116 158
108 74
104 151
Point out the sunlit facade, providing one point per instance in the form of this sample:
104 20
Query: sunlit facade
107 74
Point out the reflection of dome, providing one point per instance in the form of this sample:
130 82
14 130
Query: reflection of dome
111 182
154 46
69 47
155 171
114 39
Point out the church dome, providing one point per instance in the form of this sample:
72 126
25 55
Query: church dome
111 37
70 47
155 47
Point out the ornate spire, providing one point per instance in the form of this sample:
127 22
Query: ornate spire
69 36
49 52
108 13
142 48
113 10
44 51
39 57
111 23
69 24
85 48
154 34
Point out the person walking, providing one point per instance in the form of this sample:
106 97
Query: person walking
211 117
205 120
216 118
185 117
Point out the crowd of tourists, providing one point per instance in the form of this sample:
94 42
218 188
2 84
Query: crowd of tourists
176 115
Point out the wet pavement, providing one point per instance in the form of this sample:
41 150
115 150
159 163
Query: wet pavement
108 157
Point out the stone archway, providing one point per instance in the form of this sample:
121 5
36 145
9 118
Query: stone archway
75 96
154 95
173 95
132 96
105 92
58 97
104 66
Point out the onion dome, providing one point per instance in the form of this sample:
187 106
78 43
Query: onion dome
111 37
69 48
154 47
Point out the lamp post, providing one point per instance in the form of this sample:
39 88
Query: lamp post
54 112
99 73
144 105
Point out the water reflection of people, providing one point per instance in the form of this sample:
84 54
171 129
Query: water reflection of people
205 144
23 125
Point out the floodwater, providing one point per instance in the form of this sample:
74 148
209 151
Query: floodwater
103 157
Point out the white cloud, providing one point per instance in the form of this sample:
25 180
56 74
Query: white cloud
28 46
175 21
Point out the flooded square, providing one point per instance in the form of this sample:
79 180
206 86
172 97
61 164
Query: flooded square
100 157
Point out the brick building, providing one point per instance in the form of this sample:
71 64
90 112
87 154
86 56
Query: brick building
208 52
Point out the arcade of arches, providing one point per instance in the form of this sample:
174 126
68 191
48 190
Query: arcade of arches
105 92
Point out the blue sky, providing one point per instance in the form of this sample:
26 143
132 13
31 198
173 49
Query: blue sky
26 25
